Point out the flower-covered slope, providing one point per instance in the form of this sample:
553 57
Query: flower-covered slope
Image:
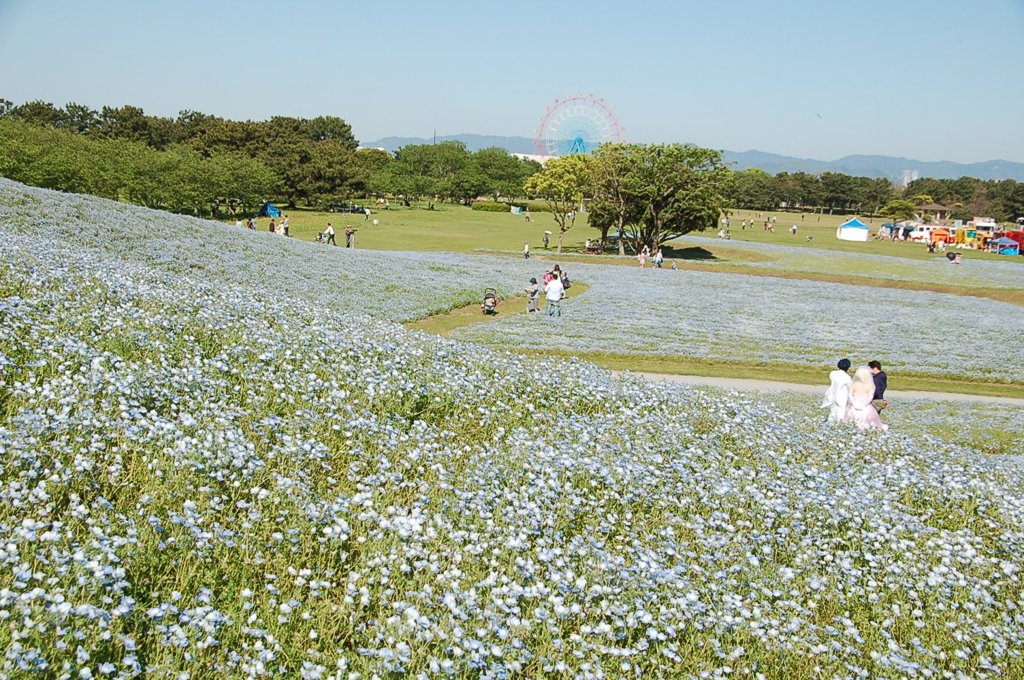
200 475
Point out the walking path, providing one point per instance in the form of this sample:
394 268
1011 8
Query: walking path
745 384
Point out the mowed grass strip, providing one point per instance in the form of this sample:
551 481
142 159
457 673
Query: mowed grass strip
785 373
443 324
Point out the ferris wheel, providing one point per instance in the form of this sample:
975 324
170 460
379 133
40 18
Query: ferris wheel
576 124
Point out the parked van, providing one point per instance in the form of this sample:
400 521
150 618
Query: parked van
923 232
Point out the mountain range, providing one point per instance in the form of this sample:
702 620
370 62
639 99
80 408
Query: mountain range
890 167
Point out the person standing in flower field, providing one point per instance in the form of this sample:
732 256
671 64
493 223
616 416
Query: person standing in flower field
838 393
859 407
532 296
881 383
554 292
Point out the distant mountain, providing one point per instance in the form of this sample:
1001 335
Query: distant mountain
890 167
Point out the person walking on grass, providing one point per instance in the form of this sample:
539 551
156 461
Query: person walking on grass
547 240
329 235
526 251
881 383
554 291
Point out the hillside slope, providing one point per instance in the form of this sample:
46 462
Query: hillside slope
204 474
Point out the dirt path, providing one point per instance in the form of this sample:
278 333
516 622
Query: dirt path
744 384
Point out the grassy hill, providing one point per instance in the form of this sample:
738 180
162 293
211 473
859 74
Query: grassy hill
214 463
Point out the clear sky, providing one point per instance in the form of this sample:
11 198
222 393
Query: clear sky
926 79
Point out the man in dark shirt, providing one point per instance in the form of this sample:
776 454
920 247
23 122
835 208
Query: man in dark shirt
881 382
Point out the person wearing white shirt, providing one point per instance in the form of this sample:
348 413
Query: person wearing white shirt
555 291
329 234
837 396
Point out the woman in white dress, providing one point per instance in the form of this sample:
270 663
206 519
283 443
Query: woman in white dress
858 406
838 393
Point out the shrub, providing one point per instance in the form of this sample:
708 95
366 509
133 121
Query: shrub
491 206
501 206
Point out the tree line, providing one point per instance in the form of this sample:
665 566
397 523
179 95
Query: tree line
966 197
204 164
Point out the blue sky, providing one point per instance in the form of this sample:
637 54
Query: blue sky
931 80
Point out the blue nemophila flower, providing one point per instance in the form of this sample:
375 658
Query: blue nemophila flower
211 462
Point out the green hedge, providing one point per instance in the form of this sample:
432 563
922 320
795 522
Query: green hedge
491 206
498 206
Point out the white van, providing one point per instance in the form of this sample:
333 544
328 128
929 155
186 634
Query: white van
922 232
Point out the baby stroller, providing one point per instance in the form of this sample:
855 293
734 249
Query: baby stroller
490 303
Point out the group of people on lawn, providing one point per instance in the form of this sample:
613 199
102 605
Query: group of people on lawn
859 399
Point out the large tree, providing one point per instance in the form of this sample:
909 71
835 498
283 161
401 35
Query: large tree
614 204
562 184
899 209
680 188
838 190
754 189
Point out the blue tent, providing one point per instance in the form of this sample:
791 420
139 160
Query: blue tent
269 210
1005 246
852 230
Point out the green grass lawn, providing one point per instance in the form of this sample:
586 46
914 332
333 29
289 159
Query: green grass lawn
457 228
453 228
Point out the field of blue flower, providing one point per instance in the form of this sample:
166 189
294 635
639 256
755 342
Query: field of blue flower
212 463
973 272
759 319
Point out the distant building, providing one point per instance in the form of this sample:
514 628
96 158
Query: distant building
938 212
908 176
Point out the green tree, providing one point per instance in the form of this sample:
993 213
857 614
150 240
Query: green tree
131 123
501 172
433 169
1008 199
330 128
899 209
679 189
562 184
753 189
37 112
876 192
79 118
614 204
838 191
367 165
